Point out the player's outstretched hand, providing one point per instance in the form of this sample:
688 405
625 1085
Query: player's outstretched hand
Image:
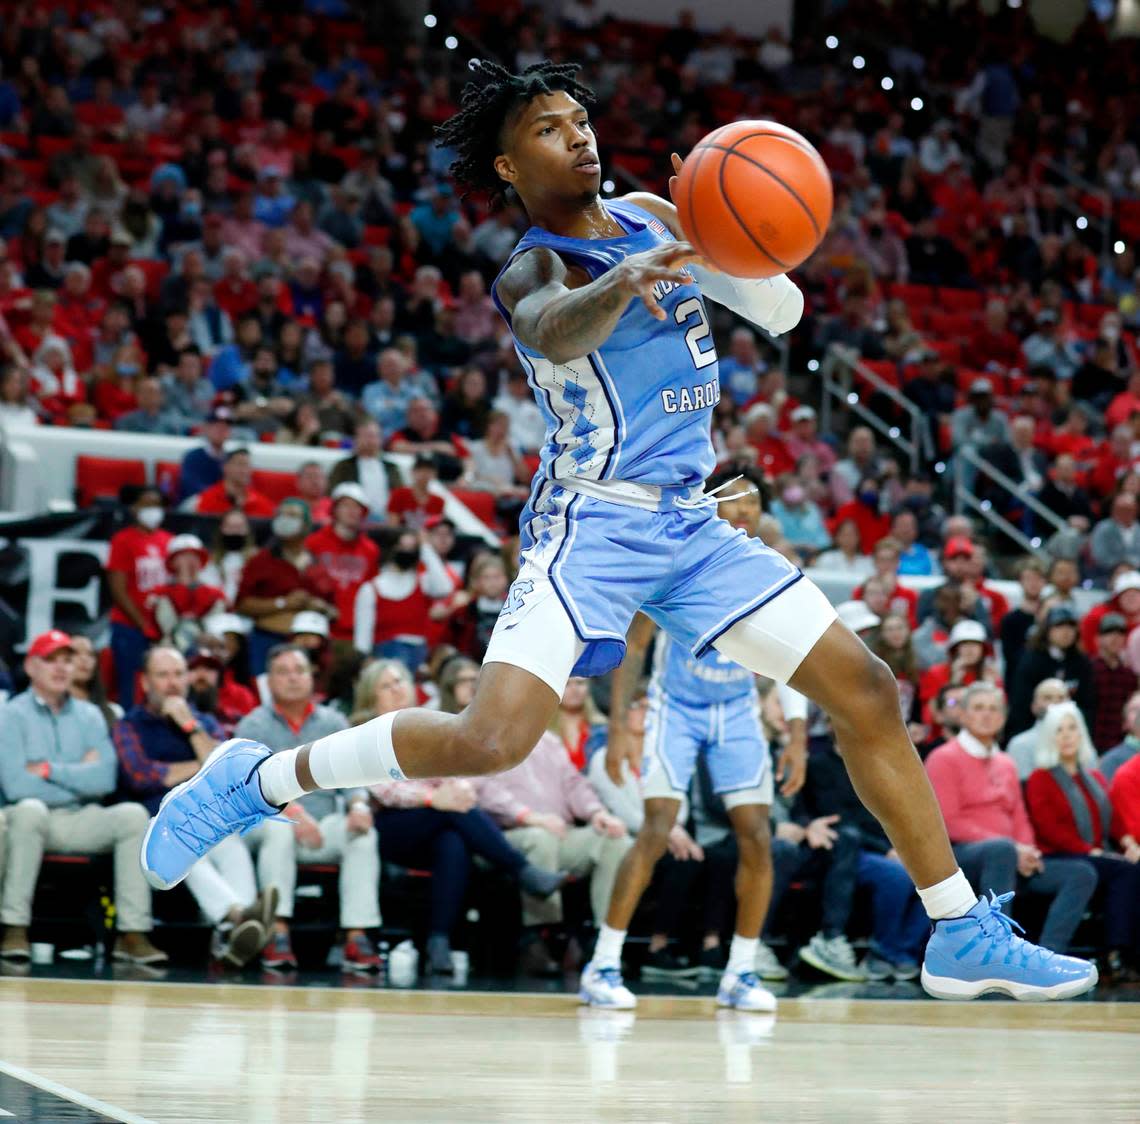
640 272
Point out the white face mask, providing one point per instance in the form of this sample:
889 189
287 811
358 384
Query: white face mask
151 517
287 526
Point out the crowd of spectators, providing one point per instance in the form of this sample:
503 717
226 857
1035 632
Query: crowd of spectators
230 227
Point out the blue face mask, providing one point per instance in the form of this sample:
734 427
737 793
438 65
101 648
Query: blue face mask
871 499
127 369
192 210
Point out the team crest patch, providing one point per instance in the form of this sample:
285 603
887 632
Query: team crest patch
516 596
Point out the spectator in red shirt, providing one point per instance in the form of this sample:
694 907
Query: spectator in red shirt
864 510
1072 437
967 661
993 342
235 292
804 439
136 567
1125 795
1114 460
182 605
979 793
1125 404
414 506
1125 601
771 452
1073 816
885 558
280 581
234 490
392 611
348 555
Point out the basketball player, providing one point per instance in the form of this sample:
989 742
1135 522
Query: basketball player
606 305
696 705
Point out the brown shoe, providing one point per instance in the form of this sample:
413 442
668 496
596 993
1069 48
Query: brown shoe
137 949
536 961
15 944
242 943
264 912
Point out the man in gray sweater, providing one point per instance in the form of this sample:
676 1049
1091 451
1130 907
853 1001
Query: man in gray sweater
56 765
328 826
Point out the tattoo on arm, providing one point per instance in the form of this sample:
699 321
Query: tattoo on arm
560 321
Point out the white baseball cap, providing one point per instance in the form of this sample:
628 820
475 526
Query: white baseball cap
857 616
967 630
350 491
221 623
310 622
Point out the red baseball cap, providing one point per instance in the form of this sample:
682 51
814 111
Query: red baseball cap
957 546
48 643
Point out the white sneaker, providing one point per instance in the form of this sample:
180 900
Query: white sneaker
767 966
603 987
743 992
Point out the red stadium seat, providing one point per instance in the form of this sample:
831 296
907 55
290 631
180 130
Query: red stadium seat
277 486
950 324
1089 315
886 369
961 300
377 235
480 504
102 477
915 296
51 147
950 351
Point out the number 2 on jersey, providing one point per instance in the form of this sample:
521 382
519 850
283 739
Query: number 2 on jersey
685 312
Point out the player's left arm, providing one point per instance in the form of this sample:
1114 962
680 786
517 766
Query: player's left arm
772 303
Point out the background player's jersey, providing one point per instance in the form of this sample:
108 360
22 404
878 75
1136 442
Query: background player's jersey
705 681
638 408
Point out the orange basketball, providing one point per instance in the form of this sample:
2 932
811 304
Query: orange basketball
754 197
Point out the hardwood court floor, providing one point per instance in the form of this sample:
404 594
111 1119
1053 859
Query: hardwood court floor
176 1054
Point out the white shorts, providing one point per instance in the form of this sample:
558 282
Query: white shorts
539 636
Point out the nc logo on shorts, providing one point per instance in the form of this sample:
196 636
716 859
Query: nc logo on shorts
396 775
515 597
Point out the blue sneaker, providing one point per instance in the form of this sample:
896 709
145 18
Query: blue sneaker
968 956
222 798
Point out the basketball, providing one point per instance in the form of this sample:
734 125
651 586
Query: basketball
754 198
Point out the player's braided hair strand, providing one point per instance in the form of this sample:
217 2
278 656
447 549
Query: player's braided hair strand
486 104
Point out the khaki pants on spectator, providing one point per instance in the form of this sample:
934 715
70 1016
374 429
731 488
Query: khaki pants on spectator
278 853
92 829
223 880
582 851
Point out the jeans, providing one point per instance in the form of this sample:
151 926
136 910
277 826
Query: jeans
1070 882
1120 882
411 653
260 644
444 841
128 647
900 925
836 869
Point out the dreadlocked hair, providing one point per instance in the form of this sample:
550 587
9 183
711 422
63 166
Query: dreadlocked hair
486 105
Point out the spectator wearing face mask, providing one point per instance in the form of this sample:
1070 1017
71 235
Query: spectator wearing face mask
865 509
280 581
392 611
135 569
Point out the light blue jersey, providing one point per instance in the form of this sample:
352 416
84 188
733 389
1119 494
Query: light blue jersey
638 408
699 681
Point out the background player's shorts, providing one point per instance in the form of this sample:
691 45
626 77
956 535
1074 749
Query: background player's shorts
728 733
588 565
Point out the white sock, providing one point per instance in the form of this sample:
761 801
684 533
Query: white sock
742 954
278 778
347 759
607 952
952 897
